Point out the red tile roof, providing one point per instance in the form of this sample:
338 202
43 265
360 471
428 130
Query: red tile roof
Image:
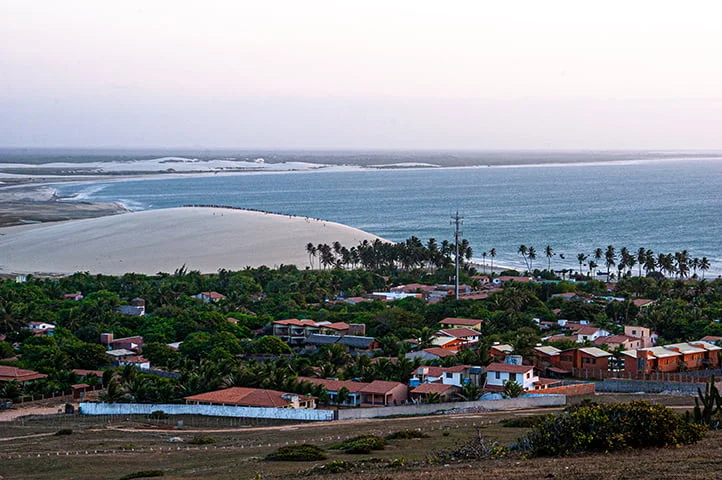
711 339
439 352
586 330
213 295
506 367
296 322
380 387
19 374
614 339
336 326
249 397
640 302
459 332
335 385
439 388
467 322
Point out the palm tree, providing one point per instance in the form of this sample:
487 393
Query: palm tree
695 265
311 249
592 266
532 257
483 255
523 250
704 265
581 258
609 259
598 254
549 254
492 254
641 258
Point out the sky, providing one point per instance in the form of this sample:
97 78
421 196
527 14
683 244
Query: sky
368 74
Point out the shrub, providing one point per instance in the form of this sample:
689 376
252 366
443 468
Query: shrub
527 421
158 415
202 440
143 474
64 431
406 434
475 449
297 453
361 444
605 428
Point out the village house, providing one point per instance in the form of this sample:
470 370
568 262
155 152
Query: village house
334 386
449 343
294 331
127 343
423 392
353 343
499 351
41 328
589 333
652 359
430 354
499 373
458 375
613 342
466 335
252 397
135 309
136 361
648 339
382 393
451 323
210 297
119 355
77 296
588 362
544 357
8 374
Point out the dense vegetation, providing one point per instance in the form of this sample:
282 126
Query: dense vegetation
217 353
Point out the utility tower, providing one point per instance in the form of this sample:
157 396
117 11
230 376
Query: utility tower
457 221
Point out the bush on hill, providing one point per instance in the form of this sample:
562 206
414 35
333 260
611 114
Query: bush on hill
605 428
297 453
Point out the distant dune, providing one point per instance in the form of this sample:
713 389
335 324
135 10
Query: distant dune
152 241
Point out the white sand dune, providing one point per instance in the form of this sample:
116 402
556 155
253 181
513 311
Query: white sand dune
204 239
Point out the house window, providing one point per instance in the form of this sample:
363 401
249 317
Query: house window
449 375
498 375
512 377
566 358
527 375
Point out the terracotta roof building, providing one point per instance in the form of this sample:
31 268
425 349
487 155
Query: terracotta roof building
252 397
8 374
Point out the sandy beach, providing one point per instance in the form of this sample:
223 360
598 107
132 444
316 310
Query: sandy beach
201 238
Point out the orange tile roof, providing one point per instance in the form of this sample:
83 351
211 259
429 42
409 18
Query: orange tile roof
460 332
249 397
336 326
505 367
439 352
468 322
380 387
297 322
433 388
13 373
335 385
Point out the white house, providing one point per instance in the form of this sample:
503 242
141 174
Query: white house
40 326
590 333
498 373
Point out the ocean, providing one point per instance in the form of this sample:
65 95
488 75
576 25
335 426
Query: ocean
666 205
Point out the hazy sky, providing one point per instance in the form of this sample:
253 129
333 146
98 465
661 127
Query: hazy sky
366 74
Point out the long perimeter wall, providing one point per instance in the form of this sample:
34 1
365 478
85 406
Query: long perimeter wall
303 414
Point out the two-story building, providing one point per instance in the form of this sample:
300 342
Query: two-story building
499 373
